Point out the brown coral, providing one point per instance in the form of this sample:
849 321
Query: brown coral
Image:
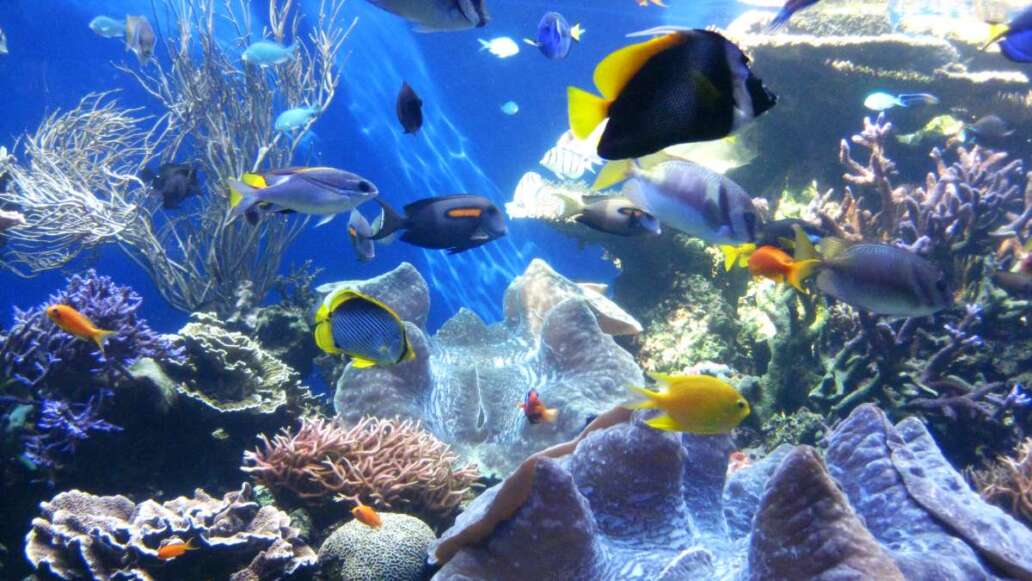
1009 482
388 463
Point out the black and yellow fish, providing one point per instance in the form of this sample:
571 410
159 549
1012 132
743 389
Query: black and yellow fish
686 86
363 328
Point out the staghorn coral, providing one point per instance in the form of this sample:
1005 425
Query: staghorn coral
1008 482
396 550
82 536
390 464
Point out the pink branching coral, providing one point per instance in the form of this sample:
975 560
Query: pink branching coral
1009 482
389 464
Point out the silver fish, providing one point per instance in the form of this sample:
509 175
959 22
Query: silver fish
882 279
139 37
361 234
107 27
695 200
3 42
321 191
438 15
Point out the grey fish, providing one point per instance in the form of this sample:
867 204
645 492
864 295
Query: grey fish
619 217
438 15
321 191
139 37
361 234
264 53
990 128
882 279
409 109
174 182
107 27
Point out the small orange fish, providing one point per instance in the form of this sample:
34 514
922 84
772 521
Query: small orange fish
75 323
367 516
174 549
773 263
535 409
737 461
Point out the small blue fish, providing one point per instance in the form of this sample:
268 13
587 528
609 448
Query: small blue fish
266 53
510 108
294 119
884 101
554 36
1016 39
108 27
790 8
362 327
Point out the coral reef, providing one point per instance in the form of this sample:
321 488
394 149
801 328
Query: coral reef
641 504
466 380
396 550
82 536
389 464
1008 482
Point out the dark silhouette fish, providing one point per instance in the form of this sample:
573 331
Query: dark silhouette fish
174 182
454 223
410 109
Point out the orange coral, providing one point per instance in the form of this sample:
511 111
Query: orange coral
388 463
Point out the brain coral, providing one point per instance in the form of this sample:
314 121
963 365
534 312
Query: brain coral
395 551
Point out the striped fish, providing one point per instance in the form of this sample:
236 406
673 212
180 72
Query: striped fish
363 328
567 164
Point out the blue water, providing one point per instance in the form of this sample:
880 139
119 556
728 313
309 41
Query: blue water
467 144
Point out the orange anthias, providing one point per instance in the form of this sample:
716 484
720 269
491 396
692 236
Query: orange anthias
367 516
773 263
75 323
170 551
535 409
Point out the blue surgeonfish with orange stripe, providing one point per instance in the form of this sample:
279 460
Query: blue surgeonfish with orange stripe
364 328
319 191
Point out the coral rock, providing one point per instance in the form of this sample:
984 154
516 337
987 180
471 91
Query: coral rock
395 551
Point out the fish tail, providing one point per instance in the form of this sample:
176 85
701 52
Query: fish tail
190 546
571 205
577 32
241 198
907 100
996 32
549 416
387 223
484 45
586 111
803 249
612 173
736 254
648 403
800 271
100 336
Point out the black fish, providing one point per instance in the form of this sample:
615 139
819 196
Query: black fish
687 86
410 109
455 223
990 129
781 233
619 217
175 182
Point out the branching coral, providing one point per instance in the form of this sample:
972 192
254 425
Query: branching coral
1008 482
390 464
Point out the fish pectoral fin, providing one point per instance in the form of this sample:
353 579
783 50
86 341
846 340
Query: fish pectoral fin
530 42
666 423
325 220
480 235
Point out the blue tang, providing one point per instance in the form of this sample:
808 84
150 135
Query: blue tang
554 36
1016 40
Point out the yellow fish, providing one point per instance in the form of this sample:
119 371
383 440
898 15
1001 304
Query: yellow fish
698 404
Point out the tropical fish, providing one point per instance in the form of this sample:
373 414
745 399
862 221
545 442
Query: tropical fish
139 37
686 86
438 15
295 119
535 409
367 516
321 191
510 108
990 129
174 182
618 216
790 8
780 234
939 127
108 27
881 279
884 101
1018 284
773 263
554 36
3 42
363 328
173 549
1016 38
361 235
571 158
502 47
688 198
736 461
698 404
454 223
410 109
265 53
77 324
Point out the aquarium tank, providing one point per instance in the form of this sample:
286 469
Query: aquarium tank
579 290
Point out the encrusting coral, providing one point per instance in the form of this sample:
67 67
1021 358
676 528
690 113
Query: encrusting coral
82 536
386 463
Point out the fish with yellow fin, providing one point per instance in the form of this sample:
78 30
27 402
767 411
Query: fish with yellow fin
363 328
685 86
698 404
77 324
318 191
773 263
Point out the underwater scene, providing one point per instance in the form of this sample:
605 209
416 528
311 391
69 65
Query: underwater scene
572 290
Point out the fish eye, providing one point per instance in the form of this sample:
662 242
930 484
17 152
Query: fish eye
741 404
364 186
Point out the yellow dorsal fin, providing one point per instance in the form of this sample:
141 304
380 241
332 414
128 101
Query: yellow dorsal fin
614 72
611 174
802 247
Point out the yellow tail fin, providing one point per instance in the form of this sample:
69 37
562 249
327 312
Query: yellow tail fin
800 271
648 403
577 32
100 336
586 111
611 174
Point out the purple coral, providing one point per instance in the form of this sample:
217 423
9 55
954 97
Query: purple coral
61 427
